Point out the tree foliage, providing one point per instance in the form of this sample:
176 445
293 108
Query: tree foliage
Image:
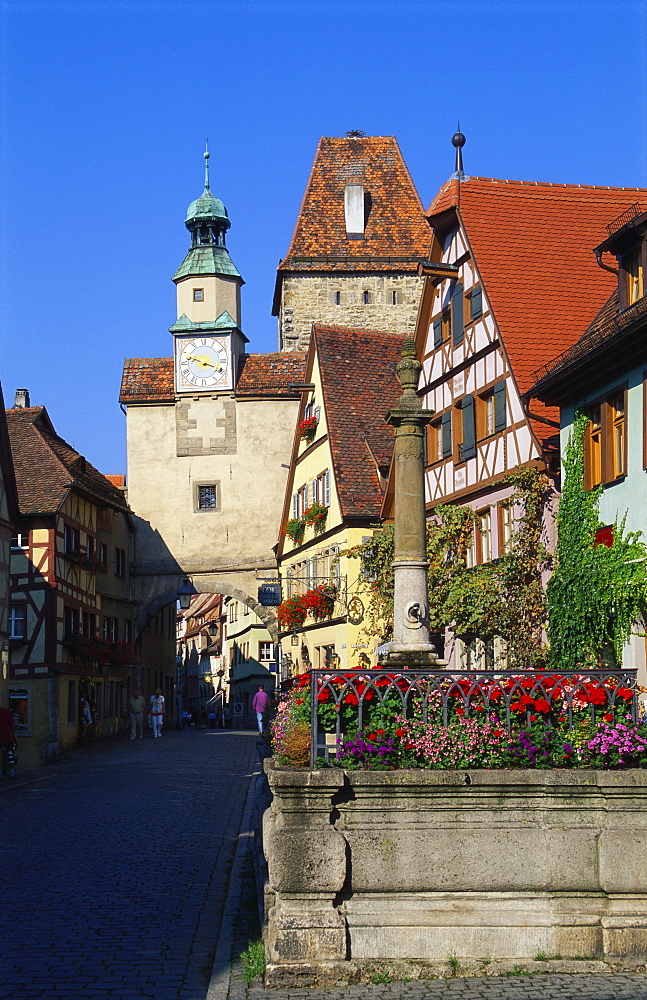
597 593
502 598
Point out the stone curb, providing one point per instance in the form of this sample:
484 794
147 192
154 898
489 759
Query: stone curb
10 784
219 983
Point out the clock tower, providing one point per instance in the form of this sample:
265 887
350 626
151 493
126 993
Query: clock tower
207 335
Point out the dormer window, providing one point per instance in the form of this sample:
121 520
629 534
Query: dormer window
633 268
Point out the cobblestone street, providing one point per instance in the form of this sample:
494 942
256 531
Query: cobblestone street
116 868
123 869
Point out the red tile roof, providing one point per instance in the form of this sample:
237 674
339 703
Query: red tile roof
533 246
396 234
613 342
270 374
359 387
47 467
151 380
117 480
147 380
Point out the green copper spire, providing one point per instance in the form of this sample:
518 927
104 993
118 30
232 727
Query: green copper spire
208 222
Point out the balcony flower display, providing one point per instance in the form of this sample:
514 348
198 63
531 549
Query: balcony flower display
292 613
92 563
88 648
320 602
315 515
307 429
294 529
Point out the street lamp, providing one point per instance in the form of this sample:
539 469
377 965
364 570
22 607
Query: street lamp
185 593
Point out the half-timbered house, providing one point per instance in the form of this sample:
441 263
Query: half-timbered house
8 522
512 282
71 660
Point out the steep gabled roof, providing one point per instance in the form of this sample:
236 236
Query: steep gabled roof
396 234
359 387
151 380
47 467
612 344
6 467
533 246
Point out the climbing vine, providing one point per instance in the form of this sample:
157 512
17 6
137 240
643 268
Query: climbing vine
597 593
502 598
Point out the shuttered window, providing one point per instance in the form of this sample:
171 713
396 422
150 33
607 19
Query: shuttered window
458 320
467 449
500 415
438 332
476 303
446 427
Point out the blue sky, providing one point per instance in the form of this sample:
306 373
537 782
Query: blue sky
105 106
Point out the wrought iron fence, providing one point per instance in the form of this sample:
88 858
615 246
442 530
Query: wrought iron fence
344 703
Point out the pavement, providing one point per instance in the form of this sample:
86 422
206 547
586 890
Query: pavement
127 875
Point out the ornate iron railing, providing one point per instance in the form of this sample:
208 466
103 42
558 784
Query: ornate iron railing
439 694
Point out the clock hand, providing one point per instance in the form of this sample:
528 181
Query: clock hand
203 361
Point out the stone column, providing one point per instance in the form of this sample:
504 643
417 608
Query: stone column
410 645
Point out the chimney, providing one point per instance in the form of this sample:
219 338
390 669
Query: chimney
22 399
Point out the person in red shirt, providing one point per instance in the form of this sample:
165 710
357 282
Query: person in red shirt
259 702
8 740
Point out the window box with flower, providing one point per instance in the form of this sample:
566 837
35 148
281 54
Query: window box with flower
307 429
295 529
316 515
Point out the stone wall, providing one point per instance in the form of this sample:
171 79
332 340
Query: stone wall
312 298
408 867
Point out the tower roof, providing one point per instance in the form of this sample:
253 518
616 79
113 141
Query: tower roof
395 235
208 222
207 207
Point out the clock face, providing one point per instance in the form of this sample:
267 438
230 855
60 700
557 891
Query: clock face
202 363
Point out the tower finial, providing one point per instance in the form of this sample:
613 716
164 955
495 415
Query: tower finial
458 141
206 155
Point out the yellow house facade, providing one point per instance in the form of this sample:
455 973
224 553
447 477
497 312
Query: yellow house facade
338 471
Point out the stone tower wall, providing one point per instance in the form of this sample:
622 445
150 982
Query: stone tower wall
312 298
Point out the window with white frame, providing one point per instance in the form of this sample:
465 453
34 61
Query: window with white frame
109 628
18 621
265 651
20 540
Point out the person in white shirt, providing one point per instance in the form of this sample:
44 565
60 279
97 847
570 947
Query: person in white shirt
157 712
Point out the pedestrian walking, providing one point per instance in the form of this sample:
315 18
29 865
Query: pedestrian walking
137 706
157 712
186 718
8 743
259 702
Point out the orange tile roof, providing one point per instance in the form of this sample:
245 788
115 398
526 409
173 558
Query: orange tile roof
396 235
147 380
117 480
533 246
151 380
359 387
47 466
270 374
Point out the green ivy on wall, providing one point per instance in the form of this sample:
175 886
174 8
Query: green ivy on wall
597 593
502 598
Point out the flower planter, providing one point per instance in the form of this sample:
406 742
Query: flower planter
399 869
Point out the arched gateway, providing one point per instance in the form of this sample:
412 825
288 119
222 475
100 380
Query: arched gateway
210 432
156 592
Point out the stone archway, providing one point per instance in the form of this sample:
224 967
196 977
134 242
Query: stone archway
159 591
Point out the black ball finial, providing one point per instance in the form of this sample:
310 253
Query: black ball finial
458 139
